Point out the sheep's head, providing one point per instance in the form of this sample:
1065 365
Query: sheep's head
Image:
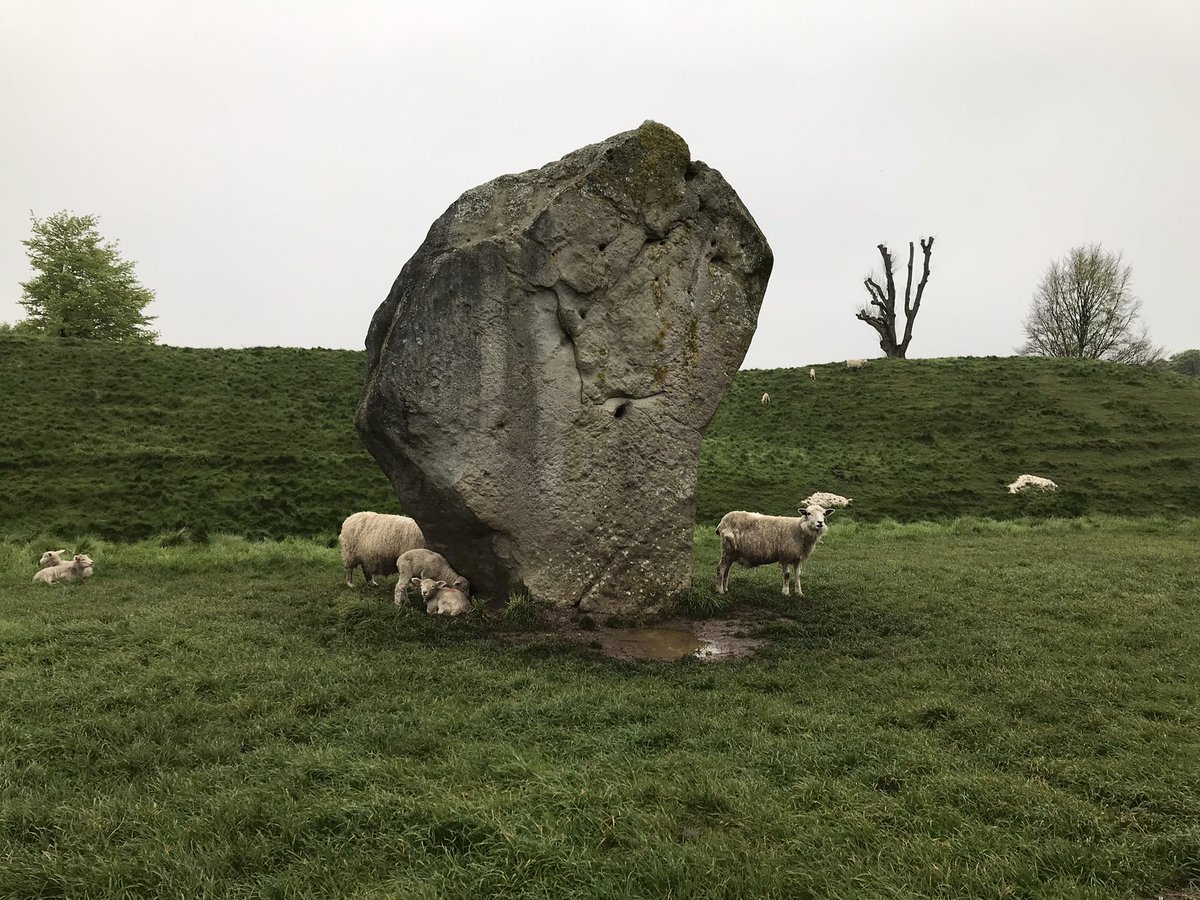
51 558
429 587
812 518
82 559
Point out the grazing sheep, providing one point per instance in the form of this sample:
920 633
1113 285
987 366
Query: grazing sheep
79 567
374 541
825 499
766 399
812 374
856 363
424 563
1031 481
753 539
51 558
442 599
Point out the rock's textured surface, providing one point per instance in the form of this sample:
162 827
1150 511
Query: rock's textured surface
542 372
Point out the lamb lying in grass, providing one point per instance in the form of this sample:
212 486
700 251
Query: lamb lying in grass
825 499
753 539
79 567
52 558
422 563
442 599
1026 482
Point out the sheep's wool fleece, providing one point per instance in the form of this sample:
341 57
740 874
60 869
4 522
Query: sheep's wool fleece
541 375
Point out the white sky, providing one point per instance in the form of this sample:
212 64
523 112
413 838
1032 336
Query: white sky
270 166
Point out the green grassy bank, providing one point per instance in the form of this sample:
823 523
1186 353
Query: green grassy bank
126 442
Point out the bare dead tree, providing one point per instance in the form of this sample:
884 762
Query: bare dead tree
880 311
1084 309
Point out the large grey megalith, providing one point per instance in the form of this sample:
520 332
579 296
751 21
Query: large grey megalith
541 374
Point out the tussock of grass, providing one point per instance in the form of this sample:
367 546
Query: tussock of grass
955 709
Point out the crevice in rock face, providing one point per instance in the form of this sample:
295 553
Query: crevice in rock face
563 323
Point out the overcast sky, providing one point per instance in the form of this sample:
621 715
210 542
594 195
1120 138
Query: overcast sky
270 166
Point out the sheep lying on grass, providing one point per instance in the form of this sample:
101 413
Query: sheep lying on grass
79 567
421 563
856 363
51 558
753 539
374 541
825 499
442 599
1026 482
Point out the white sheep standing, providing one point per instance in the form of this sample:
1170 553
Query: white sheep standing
856 363
826 500
753 539
442 599
52 558
812 374
374 541
1025 482
423 563
77 568
766 399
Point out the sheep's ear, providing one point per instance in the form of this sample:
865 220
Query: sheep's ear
414 581
829 512
803 512
439 584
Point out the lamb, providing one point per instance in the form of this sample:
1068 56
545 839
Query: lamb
1031 481
52 558
77 568
812 374
856 363
374 541
766 399
826 500
753 539
423 563
442 599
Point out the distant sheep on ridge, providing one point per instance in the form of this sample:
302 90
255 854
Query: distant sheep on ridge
856 363
766 399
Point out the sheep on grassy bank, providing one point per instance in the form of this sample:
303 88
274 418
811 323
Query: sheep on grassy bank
442 599
374 541
52 558
753 539
422 563
766 399
1026 482
826 500
856 363
77 568
812 374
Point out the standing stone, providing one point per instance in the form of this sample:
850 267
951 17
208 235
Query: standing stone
540 376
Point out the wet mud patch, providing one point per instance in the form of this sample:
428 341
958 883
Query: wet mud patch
709 640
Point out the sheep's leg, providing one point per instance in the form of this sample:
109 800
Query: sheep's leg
786 576
723 571
350 575
369 577
799 593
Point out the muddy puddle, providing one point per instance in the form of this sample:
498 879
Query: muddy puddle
709 640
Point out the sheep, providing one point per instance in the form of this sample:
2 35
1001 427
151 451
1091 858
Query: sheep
753 539
812 374
1031 481
442 599
424 563
825 499
77 568
374 541
766 399
856 363
52 558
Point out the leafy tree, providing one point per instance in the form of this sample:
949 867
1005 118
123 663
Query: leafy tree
1186 362
82 288
880 311
1083 308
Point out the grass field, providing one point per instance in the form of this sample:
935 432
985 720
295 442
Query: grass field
963 709
127 442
